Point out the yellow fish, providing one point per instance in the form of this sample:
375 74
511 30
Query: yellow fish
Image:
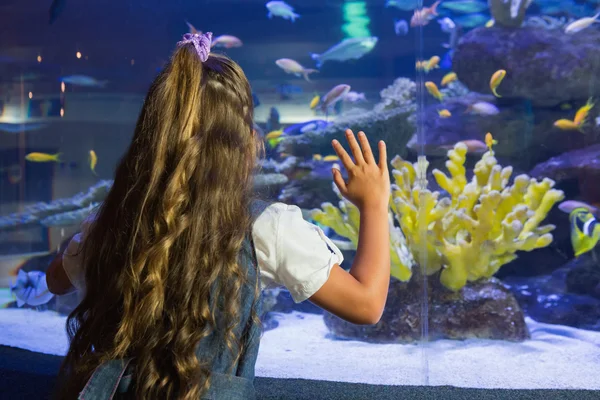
432 63
274 134
496 80
419 65
43 157
490 23
93 161
490 141
331 158
565 106
444 113
585 230
582 113
317 157
449 78
567 125
315 102
433 90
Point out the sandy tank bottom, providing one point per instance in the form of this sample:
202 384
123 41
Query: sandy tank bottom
301 347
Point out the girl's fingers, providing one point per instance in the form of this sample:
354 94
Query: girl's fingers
338 179
343 155
382 155
354 147
366 148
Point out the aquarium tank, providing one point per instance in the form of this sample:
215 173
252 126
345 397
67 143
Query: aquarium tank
490 111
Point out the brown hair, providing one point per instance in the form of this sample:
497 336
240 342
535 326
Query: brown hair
166 239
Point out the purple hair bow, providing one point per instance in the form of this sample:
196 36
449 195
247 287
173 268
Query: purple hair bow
201 42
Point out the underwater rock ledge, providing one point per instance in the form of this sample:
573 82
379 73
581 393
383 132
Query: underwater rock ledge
484 309
547 67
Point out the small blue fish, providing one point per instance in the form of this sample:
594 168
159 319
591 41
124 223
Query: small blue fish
446 62
400 27
83 80
31 289
316 125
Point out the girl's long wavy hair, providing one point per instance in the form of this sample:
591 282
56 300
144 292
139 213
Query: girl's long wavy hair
166 239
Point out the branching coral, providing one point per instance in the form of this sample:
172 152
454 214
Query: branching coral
471 233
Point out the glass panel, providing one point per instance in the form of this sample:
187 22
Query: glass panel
72 91
510 133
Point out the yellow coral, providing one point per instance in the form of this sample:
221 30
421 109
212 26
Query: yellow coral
469 234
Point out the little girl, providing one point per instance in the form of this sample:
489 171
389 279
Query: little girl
172 265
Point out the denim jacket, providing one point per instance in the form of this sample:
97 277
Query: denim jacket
113 379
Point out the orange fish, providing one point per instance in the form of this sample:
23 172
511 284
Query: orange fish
423 16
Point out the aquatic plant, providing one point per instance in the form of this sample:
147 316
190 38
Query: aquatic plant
509 13
465 236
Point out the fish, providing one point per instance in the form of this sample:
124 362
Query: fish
404 5
347 49
433 90
316 126
447 60
17 128
582 113
448 26
567 125
490 23
331 158
483 108
419 65
274 134
43 157
314 102
93 161
444 113
471 20
432 63
400 27
568 206
317 157
473 146
354 97
449 78
581 24
226 41
56 8
490 141
31 289
566 106
281 9
294 67
585 230
193 29
465 6
423 16
333 96
83 80
495 81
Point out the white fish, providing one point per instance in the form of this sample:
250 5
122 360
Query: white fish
354 97
83 80
31 288
405 5
347 49
333 96
281 9
581 24
226 41
401 27
483 108
294 67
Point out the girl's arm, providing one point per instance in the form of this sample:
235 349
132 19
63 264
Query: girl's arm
359 296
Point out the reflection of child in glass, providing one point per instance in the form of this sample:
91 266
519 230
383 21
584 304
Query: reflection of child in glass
171 266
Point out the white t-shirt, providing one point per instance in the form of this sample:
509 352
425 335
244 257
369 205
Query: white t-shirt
290 252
